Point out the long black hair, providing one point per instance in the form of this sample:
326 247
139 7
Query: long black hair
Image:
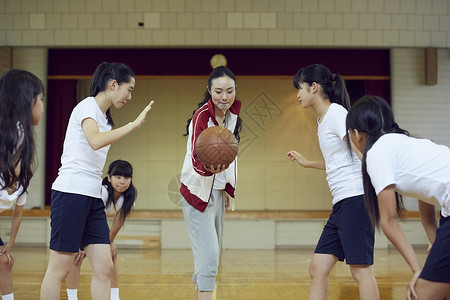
218 72
333 85
106 72
373 116
121 168
19 90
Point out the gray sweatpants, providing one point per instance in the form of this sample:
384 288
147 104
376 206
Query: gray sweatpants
205 232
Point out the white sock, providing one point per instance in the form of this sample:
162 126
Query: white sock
8 297
72 294
115 294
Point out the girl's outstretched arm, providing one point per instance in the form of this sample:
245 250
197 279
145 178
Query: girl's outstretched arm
115 228
97 139
395 234
428 219
15 225
302 161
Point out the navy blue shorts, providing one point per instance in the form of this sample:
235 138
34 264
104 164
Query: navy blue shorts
77 221
1 242
348 233
437 265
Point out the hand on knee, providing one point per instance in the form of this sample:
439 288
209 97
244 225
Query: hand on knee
6 264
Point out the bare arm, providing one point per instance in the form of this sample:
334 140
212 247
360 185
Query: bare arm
15 224
115 227
392 229
428 219
302 161
97 139
395 234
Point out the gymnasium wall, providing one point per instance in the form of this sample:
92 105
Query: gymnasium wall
227 23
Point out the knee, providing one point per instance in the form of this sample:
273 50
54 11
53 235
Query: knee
105 270
315 271
5 264
61 272
361 272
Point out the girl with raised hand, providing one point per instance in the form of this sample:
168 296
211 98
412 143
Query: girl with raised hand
347 234
395 164
21 108
78 218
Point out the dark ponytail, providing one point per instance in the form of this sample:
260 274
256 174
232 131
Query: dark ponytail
373 116
333 85
106 72
218 72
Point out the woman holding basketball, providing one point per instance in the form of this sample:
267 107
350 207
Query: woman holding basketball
205 190
21 108
78 218
348 233
396 164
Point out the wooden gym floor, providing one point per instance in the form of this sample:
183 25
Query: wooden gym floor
243 275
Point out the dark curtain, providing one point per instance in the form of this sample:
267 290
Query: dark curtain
196 61
380 88
61 99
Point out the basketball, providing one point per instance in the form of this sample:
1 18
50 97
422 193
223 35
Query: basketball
216 145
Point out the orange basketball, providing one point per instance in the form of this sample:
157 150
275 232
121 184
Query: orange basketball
216 145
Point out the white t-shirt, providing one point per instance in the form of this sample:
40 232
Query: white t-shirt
343 167
7 201
419 168
111 209
81 166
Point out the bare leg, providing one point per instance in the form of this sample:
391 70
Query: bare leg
6 278
202 295
115 276
430 290
74 277
368 288
319 271
58 268
99 256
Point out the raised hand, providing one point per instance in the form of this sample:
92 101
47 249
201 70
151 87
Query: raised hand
141 118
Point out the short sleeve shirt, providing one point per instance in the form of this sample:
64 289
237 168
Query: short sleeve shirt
81 166
112 208
343 167
7 201
418 168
